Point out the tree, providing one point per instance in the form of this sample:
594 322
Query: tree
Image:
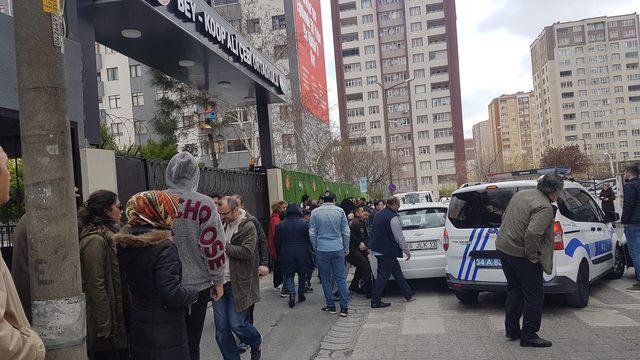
567 155
14 209
158 150
108 141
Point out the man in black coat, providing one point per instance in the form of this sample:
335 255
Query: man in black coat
388 244
358 256
631 218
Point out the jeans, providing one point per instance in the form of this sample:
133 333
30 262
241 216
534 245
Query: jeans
632 233
387 266
228 321
331 267
363 272
195 322
291 285
525 296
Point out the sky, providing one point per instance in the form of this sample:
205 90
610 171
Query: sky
493 44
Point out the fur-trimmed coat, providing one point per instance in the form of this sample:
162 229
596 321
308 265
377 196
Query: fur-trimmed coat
154 273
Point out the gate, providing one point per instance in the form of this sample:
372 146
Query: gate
136 174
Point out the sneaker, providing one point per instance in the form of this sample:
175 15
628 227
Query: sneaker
307 287
410 298
635 287
292 300
285 292
301 298
344 312
380 305
535 342
256 353
276 288
330 310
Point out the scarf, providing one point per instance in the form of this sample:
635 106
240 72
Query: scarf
155 208
232 228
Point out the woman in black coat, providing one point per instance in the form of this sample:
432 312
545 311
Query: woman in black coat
154 274
294 247
607 196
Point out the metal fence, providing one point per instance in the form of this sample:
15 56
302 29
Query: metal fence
136 174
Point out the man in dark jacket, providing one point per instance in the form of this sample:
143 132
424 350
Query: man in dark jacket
388 244
631 218
241 287
525 248
358 255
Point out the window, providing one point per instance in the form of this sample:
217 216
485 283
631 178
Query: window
369 34
278 22
421 104
374 110
353 82
366 19
437 55
417 58
570 127
137 99
280 52
394 76
400 122
442 133
350 37
370 49
253 26
417 42
376 140
416 26
372 80
445 164
356 112
420 89
441 101
441 117
393 46
426 180
414 10
395 61
391 15
425 165
579 206
139 128
424 150
235 145
350 52
374 125
135 70
116 129
482 208
114 102
423 134
422 119
418 73
112 74
352 67
99 76
392 30
355 127
444 148
372 95
287 141
365 4
370 65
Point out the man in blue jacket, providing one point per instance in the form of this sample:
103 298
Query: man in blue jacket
330 235
631 218
388 244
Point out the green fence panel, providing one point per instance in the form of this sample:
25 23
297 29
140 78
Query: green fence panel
297 184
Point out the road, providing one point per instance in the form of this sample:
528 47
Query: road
437 326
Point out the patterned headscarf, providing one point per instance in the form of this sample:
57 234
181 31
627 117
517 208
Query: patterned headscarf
155 208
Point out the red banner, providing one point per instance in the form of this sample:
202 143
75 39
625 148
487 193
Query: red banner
313 82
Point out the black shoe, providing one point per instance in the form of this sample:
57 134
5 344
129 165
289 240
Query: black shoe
256 353
513 337
301 298
242 348
537 342
330 310
284 292
381 304
292 300
410 298
344 312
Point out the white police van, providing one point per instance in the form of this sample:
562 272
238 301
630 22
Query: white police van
584 244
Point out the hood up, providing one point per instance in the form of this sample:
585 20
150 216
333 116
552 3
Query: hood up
135 238
294 209
183 172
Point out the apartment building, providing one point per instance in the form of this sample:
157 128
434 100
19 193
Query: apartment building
511 122
485 153
6 7
587 86
399 86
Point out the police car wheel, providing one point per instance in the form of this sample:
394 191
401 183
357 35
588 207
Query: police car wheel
580 297
618 265
466 296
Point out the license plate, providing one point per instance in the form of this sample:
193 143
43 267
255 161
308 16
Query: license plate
488 263
423 245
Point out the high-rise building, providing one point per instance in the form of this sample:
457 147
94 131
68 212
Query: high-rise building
470 154
512 121
485 150
587 86
399 86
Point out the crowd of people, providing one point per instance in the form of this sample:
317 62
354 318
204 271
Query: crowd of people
149 279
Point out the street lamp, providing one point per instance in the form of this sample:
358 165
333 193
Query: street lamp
386 121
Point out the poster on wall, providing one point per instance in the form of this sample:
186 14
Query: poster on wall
313 82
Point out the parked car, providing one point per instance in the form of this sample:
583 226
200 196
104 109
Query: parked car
422 226
415 197
585 245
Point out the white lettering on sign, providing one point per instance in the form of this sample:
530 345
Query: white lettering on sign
310 30
209 24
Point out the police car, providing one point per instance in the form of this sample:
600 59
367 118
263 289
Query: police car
422 227
584 244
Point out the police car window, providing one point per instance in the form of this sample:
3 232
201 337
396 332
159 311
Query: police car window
483 208
577 205
422 218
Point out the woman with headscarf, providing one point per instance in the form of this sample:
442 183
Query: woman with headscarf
154 274
293 247
98 221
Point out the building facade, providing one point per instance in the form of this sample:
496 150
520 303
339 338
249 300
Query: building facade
399 86
485 152
512 123
587 86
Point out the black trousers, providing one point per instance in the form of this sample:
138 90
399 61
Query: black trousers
278 276
363 272
195 322
525 296
387 266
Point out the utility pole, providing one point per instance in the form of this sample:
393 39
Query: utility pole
54 259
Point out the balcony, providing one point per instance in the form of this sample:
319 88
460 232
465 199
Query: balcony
98 61
100 89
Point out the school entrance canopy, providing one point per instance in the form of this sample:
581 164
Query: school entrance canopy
185 39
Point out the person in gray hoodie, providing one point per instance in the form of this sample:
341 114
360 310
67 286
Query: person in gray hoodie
199 236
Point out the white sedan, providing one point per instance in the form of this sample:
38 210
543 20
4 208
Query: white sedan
422 226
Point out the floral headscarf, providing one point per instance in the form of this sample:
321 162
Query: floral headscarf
155 208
